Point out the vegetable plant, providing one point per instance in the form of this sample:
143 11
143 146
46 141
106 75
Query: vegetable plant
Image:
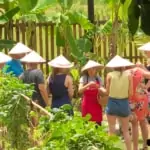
14 111
63 132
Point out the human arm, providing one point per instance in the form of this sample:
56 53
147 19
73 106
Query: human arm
42 87
21 77
130 85
83 87
146 73
43 93
69 85
148 84
102 90
47 86
108 80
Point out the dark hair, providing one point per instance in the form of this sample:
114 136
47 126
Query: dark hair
54 72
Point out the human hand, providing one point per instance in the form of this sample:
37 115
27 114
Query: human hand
93 84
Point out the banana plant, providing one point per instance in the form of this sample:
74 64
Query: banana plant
115 27
76 48
139 17
26 10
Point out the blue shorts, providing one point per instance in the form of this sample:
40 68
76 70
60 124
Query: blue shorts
118 107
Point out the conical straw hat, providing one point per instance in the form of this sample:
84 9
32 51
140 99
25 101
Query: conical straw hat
60 62
91 64
145 47
4 58
19 48
33 57
118 61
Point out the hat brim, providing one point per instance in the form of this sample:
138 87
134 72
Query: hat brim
33 62
121 66
60 66
97 67
17 53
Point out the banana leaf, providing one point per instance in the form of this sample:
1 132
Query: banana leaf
9 15
6 44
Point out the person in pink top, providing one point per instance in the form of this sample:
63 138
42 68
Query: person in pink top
90 86
139 105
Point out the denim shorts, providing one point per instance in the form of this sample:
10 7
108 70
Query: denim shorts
118 107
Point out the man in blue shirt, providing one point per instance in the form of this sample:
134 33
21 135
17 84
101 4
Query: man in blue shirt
14 66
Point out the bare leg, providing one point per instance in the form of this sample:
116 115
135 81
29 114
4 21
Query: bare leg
144 131
125 130
135 133
111 124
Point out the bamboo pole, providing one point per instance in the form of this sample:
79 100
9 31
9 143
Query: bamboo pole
36 105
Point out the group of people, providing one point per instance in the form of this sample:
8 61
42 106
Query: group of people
127 88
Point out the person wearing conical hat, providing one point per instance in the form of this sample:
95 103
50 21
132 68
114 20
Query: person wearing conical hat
119 88
145 49
33 75
14 66
60 83
3 59
90 85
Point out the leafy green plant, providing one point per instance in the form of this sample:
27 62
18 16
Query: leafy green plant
64 132
64 19
14 111
6 44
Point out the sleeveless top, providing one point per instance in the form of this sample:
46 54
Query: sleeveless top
58 90
119 85
138 81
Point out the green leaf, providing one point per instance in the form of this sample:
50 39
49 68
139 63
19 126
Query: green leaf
107 27
42 5
72 43
66 107
84 44
6 44
123 11
9 15
79 18
75 74
133 17
26 5
60 40
65 4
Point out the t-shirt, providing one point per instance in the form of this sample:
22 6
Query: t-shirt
35 77
14 67
85 79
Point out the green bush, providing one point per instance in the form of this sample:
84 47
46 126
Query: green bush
62 132
14 111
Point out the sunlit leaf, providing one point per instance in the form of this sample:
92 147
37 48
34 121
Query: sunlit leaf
84 44
65 4
79 18
6 44
106 28
9 15
42 5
